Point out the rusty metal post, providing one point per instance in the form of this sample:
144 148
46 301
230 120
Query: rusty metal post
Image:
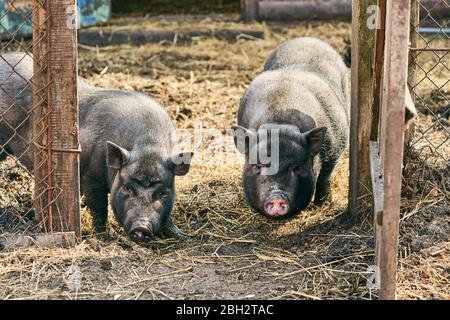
55 116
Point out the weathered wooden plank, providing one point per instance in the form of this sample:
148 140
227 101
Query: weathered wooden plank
377 176
305 10
250 11
12 241
64 104
391 138
377 182
40 116
378 196
363 54
57 146
378 70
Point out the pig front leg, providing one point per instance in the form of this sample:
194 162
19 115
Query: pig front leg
96 199
169 230
324 182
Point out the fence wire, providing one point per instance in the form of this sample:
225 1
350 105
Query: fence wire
23 103
429 81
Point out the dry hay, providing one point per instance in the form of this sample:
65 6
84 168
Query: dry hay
233 253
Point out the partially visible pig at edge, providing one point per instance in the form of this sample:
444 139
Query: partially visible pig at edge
303 99
127 145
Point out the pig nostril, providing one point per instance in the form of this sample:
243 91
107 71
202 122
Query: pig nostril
276 207
140 234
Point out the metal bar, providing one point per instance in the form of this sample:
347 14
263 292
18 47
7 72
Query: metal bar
434 30
430 49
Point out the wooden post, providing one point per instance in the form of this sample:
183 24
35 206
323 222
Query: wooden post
378 70
55 115
391 139
250 10
376 170
41 128
363 52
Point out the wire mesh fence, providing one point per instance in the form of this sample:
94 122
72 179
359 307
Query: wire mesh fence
429 81
32 144
16 138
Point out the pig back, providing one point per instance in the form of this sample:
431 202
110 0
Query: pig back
313 55
129 119
303 87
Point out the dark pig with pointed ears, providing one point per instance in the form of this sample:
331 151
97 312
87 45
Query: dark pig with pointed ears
127 142
293 126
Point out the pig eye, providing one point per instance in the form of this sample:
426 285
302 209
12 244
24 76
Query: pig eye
300 170
257 168
161 193
126 191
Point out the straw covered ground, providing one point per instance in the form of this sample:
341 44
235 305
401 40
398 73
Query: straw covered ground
233 252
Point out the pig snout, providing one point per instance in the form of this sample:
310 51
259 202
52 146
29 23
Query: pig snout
276 207
140 234
143 230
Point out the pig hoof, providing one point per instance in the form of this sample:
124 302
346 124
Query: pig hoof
169 230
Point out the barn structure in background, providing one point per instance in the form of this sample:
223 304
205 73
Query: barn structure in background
50 129
306 10
15 16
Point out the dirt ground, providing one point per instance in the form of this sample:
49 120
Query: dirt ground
233 253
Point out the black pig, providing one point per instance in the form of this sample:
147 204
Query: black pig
126 141
296 113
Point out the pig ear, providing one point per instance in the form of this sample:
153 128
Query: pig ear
181 163
314 139
116 157
243 138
